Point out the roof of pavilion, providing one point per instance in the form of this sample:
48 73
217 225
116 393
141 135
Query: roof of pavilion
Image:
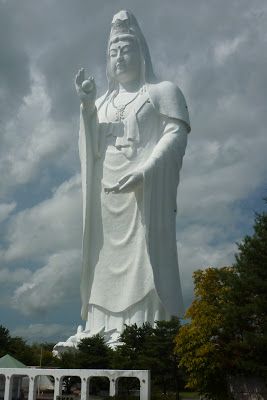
8 361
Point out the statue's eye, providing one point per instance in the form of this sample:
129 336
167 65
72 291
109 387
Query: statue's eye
126 49
113 53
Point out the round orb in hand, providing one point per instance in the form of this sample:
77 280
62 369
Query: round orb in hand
87 86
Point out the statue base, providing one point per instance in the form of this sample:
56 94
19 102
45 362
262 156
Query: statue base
71 344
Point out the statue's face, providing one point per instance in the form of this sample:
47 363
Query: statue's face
124 60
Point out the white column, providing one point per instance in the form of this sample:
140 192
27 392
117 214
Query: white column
32 388
18 386
113 386
145 388
8 388
85 382
57 387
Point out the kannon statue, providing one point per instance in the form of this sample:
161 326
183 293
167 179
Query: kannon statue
131 142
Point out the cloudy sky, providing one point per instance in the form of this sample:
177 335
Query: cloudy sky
214 50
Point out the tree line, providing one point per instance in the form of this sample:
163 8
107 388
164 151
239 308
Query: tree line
144 347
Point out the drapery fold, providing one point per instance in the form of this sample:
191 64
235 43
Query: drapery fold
161 177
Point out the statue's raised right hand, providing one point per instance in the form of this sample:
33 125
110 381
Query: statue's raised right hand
86 90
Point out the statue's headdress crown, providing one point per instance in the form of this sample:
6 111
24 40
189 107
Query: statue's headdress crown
123 23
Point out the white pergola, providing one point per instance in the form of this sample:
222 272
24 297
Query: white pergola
84 374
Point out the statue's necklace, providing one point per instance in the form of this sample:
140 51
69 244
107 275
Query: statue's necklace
120 109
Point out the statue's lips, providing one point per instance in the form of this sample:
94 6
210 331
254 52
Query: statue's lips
120 67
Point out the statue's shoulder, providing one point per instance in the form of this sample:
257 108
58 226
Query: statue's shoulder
169 100
164 88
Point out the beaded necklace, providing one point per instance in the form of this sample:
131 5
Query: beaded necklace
120 109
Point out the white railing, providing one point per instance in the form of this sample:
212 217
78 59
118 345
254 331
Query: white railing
84 374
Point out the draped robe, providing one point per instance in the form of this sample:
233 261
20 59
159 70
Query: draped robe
129 239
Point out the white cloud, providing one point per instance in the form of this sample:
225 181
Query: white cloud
50 232
6 209
50 286
227 48
209 188
50 226
31 140
42 331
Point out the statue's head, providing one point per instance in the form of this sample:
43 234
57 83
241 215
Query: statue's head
128 57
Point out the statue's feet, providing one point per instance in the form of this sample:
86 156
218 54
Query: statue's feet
111 338
62 347
70 344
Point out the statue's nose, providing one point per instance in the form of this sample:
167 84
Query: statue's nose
119 55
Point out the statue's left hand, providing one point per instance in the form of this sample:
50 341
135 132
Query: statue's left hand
127 183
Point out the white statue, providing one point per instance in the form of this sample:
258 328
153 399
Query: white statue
132 142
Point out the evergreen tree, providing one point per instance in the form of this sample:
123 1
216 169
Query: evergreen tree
4 340
94 353
163 360
130 354
19 349
250 298
151 348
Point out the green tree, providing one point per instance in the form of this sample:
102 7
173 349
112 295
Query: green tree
151 348
200 344
19 349
69 360
162 359
15 346
130 354
250 299
4 340
42 355
93 352
227 332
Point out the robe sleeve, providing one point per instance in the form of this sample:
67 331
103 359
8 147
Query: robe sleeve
161 179
88 151
171 145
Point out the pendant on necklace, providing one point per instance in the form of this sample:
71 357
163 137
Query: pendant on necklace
121 109
120 113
